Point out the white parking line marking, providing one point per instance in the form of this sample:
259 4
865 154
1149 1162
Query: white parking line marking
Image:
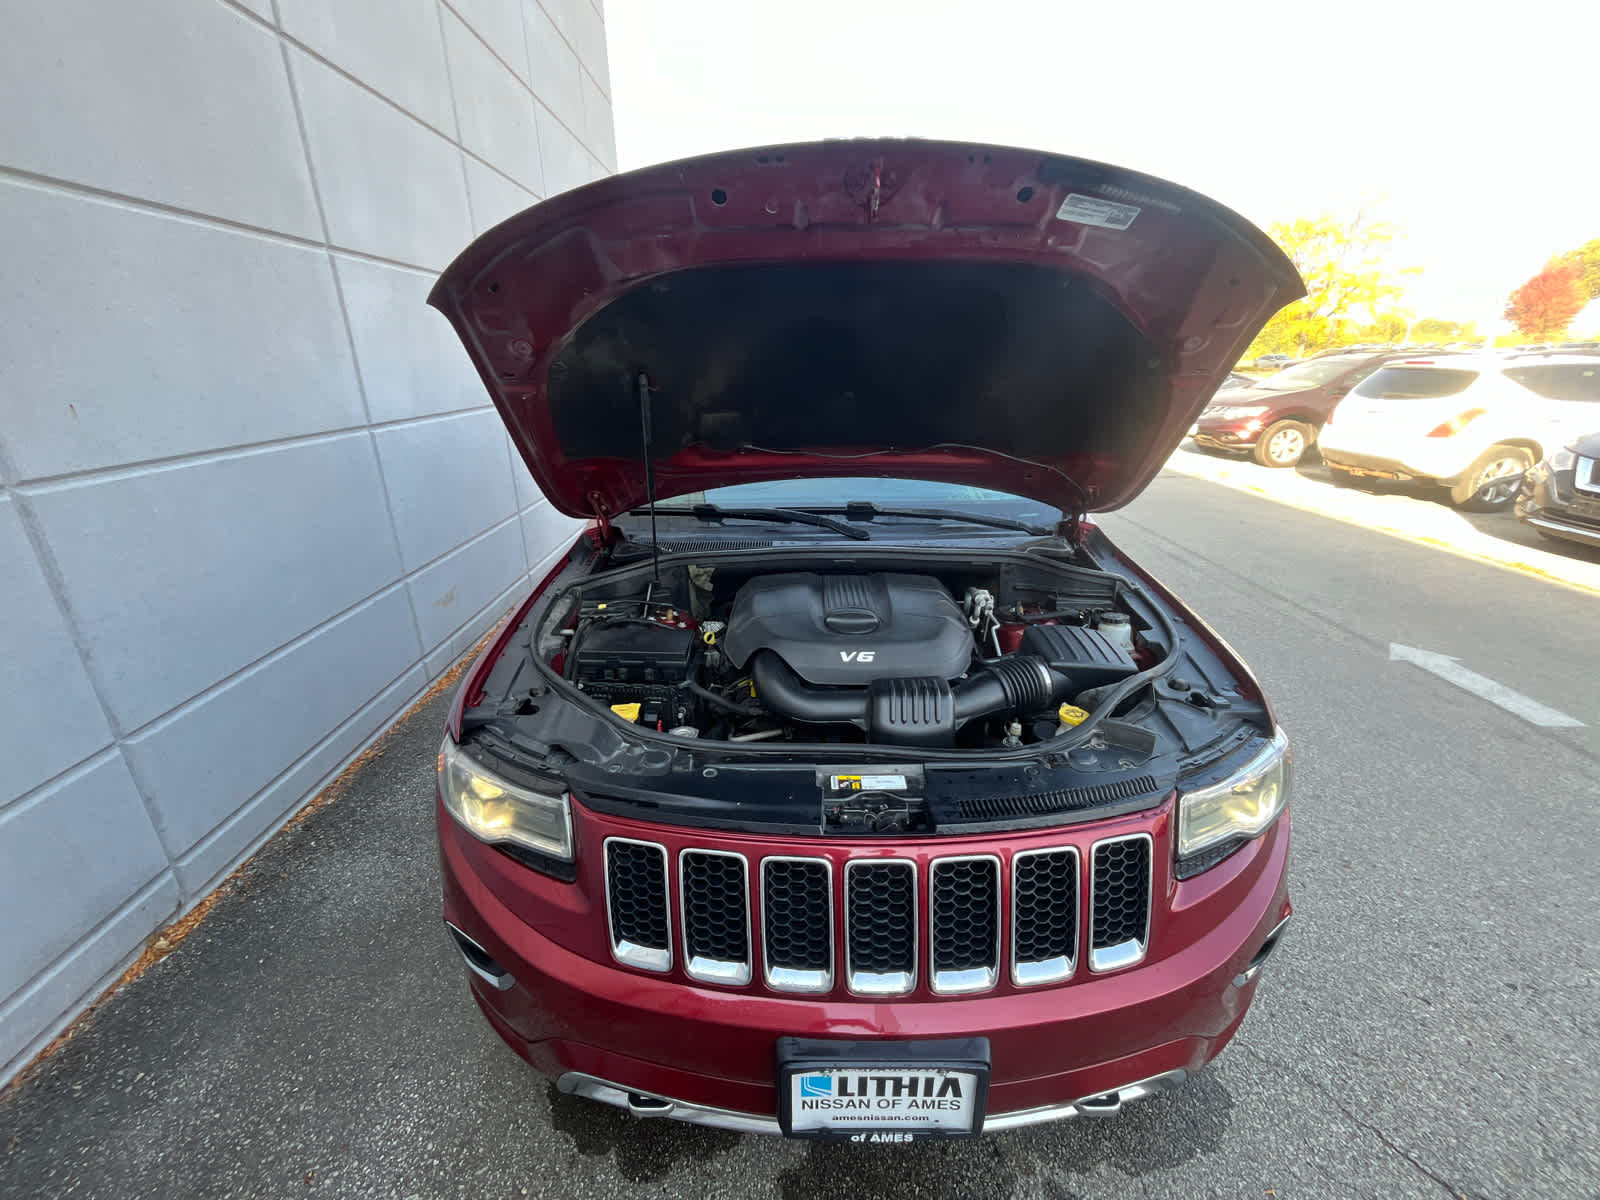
1451 671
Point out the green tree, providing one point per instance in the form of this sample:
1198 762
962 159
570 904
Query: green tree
1432 329
1344 272
1387 327
1587 259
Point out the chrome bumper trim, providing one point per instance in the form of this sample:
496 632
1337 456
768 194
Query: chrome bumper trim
1268 945
1109 1104
480 962
1576 533
575 1083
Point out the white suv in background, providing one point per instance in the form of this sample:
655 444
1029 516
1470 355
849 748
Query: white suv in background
1473 425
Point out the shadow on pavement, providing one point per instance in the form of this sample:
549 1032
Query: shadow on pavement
1154 1135
645 1149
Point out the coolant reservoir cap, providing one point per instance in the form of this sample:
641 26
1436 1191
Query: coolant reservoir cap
1071 714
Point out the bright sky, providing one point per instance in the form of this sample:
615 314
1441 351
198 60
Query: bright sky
1471 128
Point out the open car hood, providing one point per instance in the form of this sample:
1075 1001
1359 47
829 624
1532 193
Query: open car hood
1035 324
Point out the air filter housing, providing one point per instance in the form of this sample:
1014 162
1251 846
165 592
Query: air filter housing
1085 656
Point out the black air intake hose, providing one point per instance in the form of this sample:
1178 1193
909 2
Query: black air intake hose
780 690
1015 683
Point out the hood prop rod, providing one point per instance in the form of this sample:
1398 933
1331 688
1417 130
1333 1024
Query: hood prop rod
643 381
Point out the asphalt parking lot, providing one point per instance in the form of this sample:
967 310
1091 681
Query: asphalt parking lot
1428 1028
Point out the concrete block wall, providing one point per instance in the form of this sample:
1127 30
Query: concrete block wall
252 497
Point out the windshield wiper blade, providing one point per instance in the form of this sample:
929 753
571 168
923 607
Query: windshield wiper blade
866 510
792 516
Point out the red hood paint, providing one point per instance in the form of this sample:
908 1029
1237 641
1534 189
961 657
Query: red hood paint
1027 322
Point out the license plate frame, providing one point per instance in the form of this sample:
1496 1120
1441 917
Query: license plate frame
936 1064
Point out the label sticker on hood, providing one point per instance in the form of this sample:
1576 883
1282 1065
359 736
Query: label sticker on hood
1089 210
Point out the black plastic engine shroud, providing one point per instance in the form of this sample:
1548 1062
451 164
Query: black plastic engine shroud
848 630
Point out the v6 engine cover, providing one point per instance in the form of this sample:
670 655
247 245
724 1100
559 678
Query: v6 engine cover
847 630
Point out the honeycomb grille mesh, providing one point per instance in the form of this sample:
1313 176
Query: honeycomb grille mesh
880 916
1121 875
796 910
1045 916
966 914
714 907
636 875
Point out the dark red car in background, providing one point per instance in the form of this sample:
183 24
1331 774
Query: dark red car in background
1277 419
844 780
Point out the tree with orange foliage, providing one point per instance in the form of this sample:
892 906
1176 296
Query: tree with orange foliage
1543 307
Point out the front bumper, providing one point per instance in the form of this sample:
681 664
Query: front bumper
665 1045
1428 463
1551 504
1240 434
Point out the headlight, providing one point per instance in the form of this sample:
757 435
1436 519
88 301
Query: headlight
493 809
1240 806
1562 460
1234 412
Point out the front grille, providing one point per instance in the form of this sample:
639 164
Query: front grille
964 924
1044 916
797 923
636 903
881 926
716 916
971 934
1119 915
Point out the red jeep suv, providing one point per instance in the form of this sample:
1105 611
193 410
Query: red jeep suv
843 780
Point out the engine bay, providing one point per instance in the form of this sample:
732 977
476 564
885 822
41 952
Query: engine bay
940 658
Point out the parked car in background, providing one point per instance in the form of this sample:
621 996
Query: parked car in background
1274 360
1561 496
1471 424
1280 417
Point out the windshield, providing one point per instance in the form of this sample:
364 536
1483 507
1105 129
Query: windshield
1308 374
836 492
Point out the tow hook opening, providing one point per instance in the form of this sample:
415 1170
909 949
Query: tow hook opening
641 1105
480 962
1108 1105
1245 976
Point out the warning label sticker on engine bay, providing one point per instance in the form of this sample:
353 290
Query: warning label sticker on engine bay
1089 210
867 783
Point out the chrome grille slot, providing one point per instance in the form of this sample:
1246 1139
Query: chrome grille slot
964 924
637 905
1120 880
797 924
880 926
714 895
1044 916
